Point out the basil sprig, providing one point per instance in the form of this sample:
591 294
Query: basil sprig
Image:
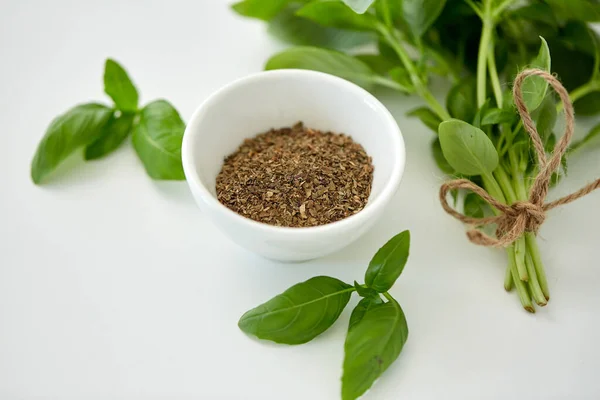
377 329
99 129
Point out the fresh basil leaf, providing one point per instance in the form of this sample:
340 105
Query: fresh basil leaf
480 113
336 14
389 11
474 206
387 264
361 309
364 291
77 127
494 116
372 345
420 14
359 6
540 12
583 10
328 61
261 9
427 116
461 101
534 87
592 139
299 314
119 87
114 132
293 29
545 117
157 140
440 160
378 63
467 148
401 76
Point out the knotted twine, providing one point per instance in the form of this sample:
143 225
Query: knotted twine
523 216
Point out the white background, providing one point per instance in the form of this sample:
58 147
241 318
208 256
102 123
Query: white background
113 286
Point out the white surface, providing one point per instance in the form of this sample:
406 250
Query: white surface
272 99
113 286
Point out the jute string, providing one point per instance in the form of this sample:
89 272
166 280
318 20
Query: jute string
523 216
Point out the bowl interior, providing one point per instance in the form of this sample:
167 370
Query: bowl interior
281 98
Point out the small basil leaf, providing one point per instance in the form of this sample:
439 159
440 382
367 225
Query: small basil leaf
328 61
157 140
427 116
474 206
299 314
293 29
119 87
378 63
461 101
387 264
261 9
336 14
534 87
420 14
114 133
401 76
359 6
495 116
440 160
361 309
77 127
467 148
480 113
583 10
364 291
545 117
372 345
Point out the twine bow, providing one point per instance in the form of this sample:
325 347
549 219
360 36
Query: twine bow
523 216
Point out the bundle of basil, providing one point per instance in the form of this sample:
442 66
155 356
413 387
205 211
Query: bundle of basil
157 131
479 46
377 330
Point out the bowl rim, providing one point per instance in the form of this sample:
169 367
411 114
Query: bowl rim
369 211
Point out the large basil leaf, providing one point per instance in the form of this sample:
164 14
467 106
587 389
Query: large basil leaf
427 116
420 14
157 140
461 101
336 14
440 160
293 29
359 6
494 116
114 132
378 63
119 87
534 87
467 148
372 345
328 61
584 10
299 314
261 9
361 309
545 117
77 127
387 264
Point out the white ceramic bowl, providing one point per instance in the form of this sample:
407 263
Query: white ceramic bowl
281 98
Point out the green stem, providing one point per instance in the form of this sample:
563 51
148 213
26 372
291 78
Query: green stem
519 284
388 296
534 284
491 59
493 188
520 250
508 280
537 262
504 181
484 44
580 92
500 8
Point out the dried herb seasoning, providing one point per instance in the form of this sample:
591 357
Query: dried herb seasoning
296 177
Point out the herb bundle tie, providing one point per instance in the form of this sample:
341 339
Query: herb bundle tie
524 216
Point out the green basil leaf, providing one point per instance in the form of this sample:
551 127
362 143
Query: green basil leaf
364 291
467 148
299 314
427 116
534 87
77 127
378 63
494 116
361 309
389 11
359 6
387 264
372 345
157 140
401 76
293 29
583 10
461 101
261 9
328 61
420 14
592 139
480 113
114 132
119 87
539 12
336 14
474 206
545 117
440 160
